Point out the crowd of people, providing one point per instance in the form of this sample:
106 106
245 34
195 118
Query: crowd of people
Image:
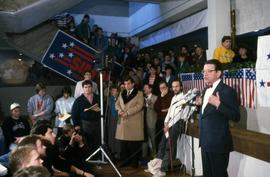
42 140
122 56
141 97
139 124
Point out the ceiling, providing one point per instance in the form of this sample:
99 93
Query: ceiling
150 1
107 7
99 7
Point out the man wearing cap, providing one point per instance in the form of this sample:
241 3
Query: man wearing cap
14 127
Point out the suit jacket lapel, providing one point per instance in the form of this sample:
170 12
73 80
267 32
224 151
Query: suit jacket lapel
210 107
126 98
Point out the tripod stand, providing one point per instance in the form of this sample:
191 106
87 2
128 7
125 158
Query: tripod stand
192 157
103 153
191 115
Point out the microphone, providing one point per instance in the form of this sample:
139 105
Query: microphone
194 93
186 95
190 95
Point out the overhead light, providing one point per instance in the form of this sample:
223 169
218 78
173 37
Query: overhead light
19 59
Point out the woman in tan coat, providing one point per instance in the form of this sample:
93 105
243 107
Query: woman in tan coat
130 127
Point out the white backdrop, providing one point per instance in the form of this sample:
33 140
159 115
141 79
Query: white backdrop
187 25
252 15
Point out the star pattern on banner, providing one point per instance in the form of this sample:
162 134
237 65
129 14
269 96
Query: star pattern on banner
268 56
71 44
61 55
64 45
262 83
70 55
69 72
52 56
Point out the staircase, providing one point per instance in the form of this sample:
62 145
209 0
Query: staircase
34 42
25 26
18 16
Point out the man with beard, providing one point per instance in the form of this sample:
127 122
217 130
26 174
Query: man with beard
167 146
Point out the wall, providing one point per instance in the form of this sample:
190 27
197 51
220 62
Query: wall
133 18
160 15
102 7
187 25
110 24
252 15
135 6
258 120
139 21
112 16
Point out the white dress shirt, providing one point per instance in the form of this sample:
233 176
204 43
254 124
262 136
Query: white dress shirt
63 106
147 99
208 93
174 109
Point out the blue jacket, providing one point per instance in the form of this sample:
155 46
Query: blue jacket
215 135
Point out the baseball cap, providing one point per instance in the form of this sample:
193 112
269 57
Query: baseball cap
14 105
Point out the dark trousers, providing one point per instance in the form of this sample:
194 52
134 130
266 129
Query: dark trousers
130 152
92 132
159 131
165 147
215 164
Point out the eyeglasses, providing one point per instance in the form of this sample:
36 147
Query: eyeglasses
208 71
162 87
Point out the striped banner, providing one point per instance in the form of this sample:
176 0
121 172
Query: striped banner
70 57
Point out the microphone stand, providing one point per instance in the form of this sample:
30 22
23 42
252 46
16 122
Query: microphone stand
191 114
103 153
192 157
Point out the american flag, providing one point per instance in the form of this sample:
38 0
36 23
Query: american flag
242 80
187 81
192 80
250 88
198 81
69 57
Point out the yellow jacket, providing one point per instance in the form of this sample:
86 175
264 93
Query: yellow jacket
223 55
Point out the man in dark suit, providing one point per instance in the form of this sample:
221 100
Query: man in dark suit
218 106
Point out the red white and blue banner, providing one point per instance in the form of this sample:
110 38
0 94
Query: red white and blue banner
242 80
69 57
192 80
263 71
